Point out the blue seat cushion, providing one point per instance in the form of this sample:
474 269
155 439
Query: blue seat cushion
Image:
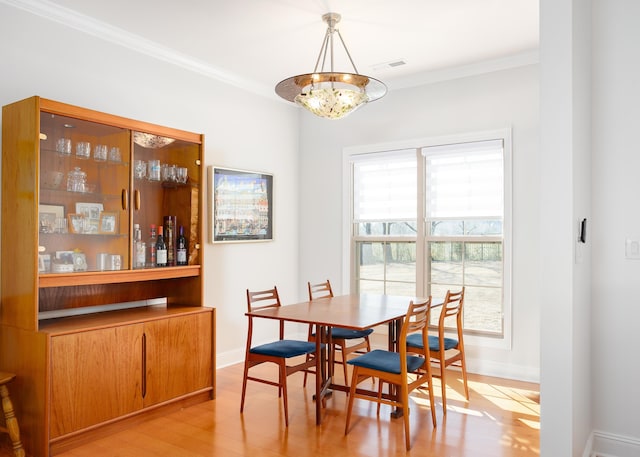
415 340
386 361
347 334
285 348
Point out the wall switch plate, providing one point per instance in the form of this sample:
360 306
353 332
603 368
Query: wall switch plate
632 249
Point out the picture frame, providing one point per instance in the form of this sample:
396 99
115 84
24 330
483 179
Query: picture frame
76 223
79 261
49 215
65 257
241 205
90 211
108 223
44 263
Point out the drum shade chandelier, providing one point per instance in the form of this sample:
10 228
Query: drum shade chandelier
331 94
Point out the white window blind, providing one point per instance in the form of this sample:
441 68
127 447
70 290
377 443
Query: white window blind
384 187
465 180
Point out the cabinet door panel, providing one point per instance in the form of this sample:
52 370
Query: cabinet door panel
178 356
95 376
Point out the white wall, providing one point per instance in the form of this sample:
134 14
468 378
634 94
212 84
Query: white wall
616 187
40 57
491 101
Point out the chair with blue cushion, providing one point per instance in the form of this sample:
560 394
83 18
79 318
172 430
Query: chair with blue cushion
394 368
279 352
344 340
453 353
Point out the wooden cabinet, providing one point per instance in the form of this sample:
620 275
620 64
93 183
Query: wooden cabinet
96 337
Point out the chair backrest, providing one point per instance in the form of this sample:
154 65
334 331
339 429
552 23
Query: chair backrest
416 320
322 290
263 299
452 307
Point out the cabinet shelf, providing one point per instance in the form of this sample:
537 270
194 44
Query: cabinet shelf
118 276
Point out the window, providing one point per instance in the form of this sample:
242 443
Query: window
435 217
384 219
464 209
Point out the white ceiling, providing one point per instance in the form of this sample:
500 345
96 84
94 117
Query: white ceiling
257 43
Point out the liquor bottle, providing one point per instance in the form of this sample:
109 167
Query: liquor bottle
182 244
170 239
151 248
139 248
161 249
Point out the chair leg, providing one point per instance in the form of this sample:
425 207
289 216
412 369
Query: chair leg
464 378
11 422
244 386
443 384
283 388
352 394
404 395
343 349
304 382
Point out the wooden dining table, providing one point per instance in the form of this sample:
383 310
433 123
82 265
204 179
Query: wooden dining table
355 312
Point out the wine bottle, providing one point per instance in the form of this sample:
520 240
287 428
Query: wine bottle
170 239
161 249
151 247
182 245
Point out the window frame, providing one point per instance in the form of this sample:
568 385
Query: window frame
351 238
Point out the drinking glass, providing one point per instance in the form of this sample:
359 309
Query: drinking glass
114 154
181 175
83 150
63 146
140 169
100 152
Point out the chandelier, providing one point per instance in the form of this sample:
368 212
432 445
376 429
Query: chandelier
331 94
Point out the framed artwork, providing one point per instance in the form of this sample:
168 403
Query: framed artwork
76 223
91 213
108 223
241 205
50 217
89 210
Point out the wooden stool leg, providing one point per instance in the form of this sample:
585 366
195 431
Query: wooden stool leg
11 422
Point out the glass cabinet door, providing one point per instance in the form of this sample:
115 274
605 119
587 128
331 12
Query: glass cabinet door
166 179
83 196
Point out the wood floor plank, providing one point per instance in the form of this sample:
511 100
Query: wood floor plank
500 420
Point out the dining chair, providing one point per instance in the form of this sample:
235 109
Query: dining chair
279 352
394 368
453 353
344 340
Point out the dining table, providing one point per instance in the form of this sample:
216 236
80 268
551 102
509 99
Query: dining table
353 311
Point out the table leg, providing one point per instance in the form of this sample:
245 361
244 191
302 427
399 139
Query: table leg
320 373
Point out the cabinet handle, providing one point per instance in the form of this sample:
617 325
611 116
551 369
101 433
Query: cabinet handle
125 198
136 199
144 365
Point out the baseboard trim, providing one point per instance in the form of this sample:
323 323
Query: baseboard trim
603 444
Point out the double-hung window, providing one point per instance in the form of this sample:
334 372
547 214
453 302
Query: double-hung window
435 217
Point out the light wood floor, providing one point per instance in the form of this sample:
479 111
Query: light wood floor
501 420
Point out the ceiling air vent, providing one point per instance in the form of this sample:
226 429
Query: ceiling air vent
387 65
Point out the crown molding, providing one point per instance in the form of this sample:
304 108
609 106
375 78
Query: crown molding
522 59
120 37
